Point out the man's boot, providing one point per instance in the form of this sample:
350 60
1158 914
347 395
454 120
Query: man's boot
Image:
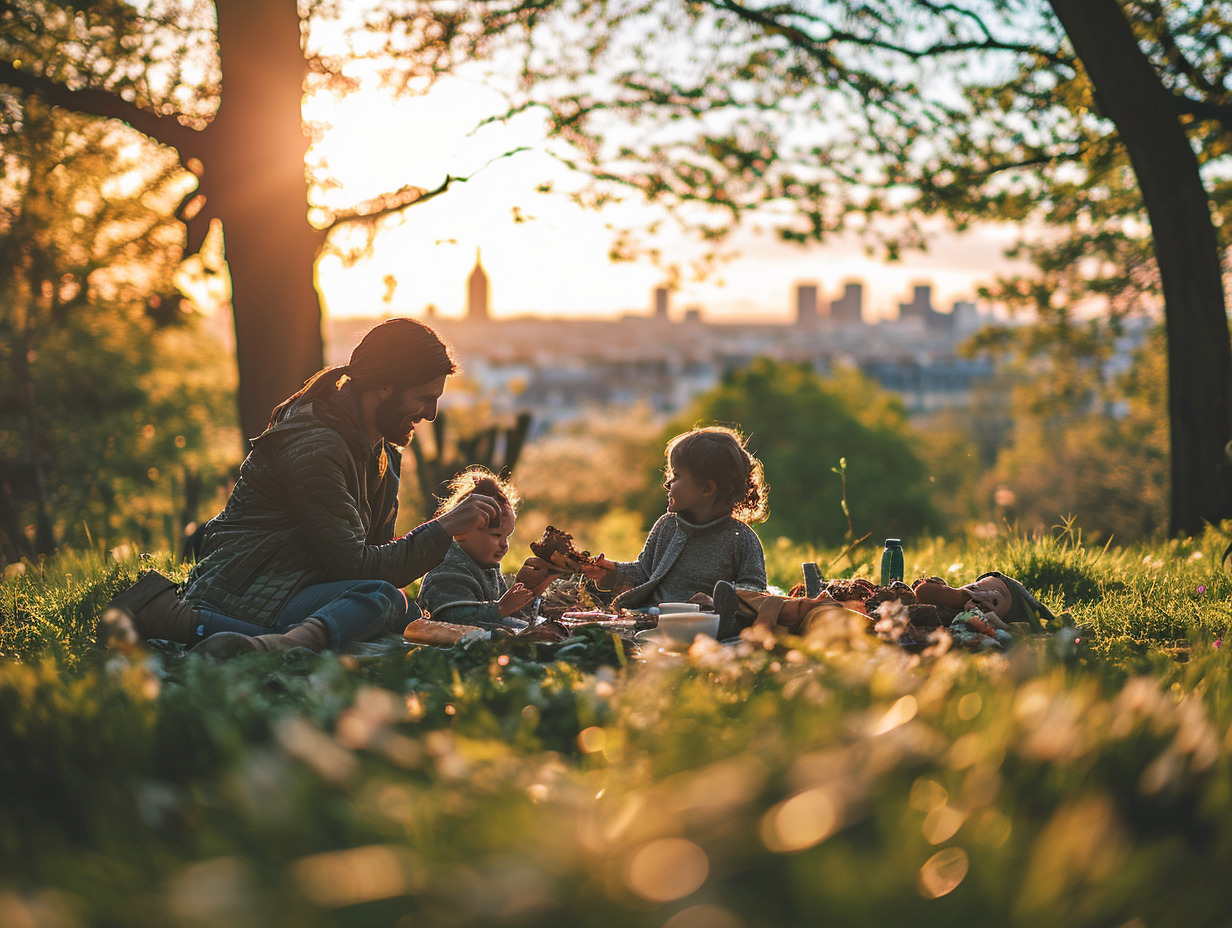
150 608
310 633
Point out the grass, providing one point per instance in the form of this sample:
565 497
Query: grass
834 780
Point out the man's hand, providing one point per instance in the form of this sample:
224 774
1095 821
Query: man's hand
474 512
598 570
513 600
535 574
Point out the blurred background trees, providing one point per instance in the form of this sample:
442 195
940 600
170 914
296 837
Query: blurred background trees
800 426
113 415
159 68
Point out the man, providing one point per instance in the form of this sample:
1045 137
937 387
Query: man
304 553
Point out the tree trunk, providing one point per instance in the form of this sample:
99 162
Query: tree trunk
14 545
23 383
1130 94
255 182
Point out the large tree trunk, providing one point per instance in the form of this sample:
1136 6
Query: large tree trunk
1186 249
254 179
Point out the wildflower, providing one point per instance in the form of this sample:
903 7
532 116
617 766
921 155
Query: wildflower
1201 588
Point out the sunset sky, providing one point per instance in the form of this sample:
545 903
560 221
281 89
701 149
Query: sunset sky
555 261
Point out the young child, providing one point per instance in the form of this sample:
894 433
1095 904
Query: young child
467 586
715 487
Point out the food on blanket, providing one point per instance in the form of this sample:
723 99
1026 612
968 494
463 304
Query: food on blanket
445 634
987 613
549 632
896 592
557 548
589 616
622 620
566 593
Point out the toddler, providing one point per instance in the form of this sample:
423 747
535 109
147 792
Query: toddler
714 489
467 586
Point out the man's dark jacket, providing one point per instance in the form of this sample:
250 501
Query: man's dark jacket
313 504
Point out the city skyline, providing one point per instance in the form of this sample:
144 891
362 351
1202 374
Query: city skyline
548 256
761 289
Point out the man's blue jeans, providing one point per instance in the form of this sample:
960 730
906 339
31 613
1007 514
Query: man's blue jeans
352 610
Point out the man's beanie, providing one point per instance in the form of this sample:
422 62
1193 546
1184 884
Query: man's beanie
399 352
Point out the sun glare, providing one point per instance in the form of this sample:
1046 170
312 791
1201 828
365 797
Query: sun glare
543 253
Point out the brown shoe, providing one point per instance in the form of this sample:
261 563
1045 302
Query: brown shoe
310 634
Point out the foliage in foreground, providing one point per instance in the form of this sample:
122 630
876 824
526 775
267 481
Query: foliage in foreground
833 780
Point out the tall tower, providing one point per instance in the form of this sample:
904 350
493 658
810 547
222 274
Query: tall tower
806 304
477 291
660 303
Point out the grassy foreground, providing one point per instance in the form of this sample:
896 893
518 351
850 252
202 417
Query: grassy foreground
835 780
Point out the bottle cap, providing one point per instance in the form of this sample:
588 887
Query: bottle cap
893 541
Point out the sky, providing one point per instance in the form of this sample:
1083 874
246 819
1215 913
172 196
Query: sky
554 261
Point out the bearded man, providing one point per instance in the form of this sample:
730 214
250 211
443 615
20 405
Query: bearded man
304 553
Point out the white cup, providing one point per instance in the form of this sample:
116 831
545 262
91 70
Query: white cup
680 628
672 608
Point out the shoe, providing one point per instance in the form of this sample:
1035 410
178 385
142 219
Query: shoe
224 645
310 634
726 604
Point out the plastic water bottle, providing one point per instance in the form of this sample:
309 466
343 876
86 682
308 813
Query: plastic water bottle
892 561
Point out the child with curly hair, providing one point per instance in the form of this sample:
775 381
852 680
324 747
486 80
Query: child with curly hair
467 587
715 487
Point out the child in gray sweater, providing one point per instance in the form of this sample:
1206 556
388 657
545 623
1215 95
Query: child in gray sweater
715 487
467 587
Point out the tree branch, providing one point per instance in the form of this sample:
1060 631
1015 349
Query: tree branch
371 210
93 101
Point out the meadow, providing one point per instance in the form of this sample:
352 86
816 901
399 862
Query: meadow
834 779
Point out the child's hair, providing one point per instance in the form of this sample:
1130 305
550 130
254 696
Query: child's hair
478 479
717 453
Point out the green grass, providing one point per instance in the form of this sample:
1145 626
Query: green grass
834 781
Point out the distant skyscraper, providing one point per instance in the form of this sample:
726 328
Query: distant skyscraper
966 315
849 308
920 306
806 304
660 302
477 291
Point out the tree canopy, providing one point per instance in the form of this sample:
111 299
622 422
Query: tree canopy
100 412
1105 121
